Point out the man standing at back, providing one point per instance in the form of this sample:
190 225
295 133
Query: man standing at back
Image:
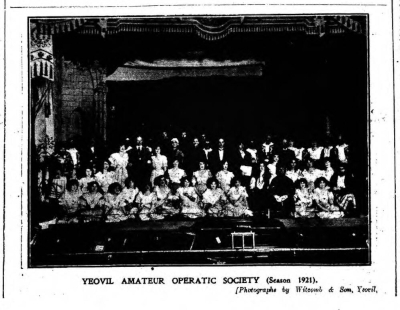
139 162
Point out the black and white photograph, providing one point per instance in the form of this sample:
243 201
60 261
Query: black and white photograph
199 140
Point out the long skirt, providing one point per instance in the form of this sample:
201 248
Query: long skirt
191 209
303 210
148 213
333 213
154 174
238 209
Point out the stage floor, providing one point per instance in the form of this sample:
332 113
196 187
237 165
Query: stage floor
203 242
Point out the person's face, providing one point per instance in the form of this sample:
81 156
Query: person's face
309 164
94 188
147 188
186 183
122 148
117 190
131 184
202 166
281 171
284 142
268 139
342 170
88 172
322 184
262 167
213 185
162 182
203 136
276 158
139 141
327 164
195 142
314 145
58 174
207 144
158 150
62 150
106 165
221 143
176 163
225 166
183 134
74 188
174 144
241 146
164 134
293 164
302 185
237 183
291 143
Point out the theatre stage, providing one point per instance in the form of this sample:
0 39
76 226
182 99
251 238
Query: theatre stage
204 242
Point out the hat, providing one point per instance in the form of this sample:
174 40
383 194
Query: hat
175 140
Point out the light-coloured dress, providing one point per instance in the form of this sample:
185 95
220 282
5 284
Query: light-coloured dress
341 150
311 176
115 208
315 154
325 198
189 205
224 178
147 209
294 175
159 163
130 195
200 179
92 205
104 179
327 173
214 201
176 174
238 202
303 201
70 204
120 161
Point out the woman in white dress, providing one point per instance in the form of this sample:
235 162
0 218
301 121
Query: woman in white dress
272 167
176 174
115 204
70 202
92 203
237 197
292 172
342 150
200 178
105 177
225 177
130 193
120 161
311 174
83 182
189 205
324 200
159 163
214 199
303 200
315 151
328 171
146 201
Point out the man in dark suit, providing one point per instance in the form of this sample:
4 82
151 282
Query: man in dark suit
194 156
219 156
342 184
281 191
241 158
285 155
139 162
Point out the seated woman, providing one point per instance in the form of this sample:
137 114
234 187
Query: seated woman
130 193
70 202
342 150
311 174
214 199
92 203
172 204
115 204
225 177
303 200
281 191
105 176
159 163
328 171
237 198
161 191
292 172
83 182
324 200
189 200
315 151
120 161
200 178
343 190
272 167
259 189
176 174
146 201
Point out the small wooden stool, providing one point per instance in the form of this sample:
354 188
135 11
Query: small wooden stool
243 234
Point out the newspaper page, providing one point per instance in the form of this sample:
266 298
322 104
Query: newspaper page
189 154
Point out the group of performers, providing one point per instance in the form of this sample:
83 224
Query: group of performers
184 178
